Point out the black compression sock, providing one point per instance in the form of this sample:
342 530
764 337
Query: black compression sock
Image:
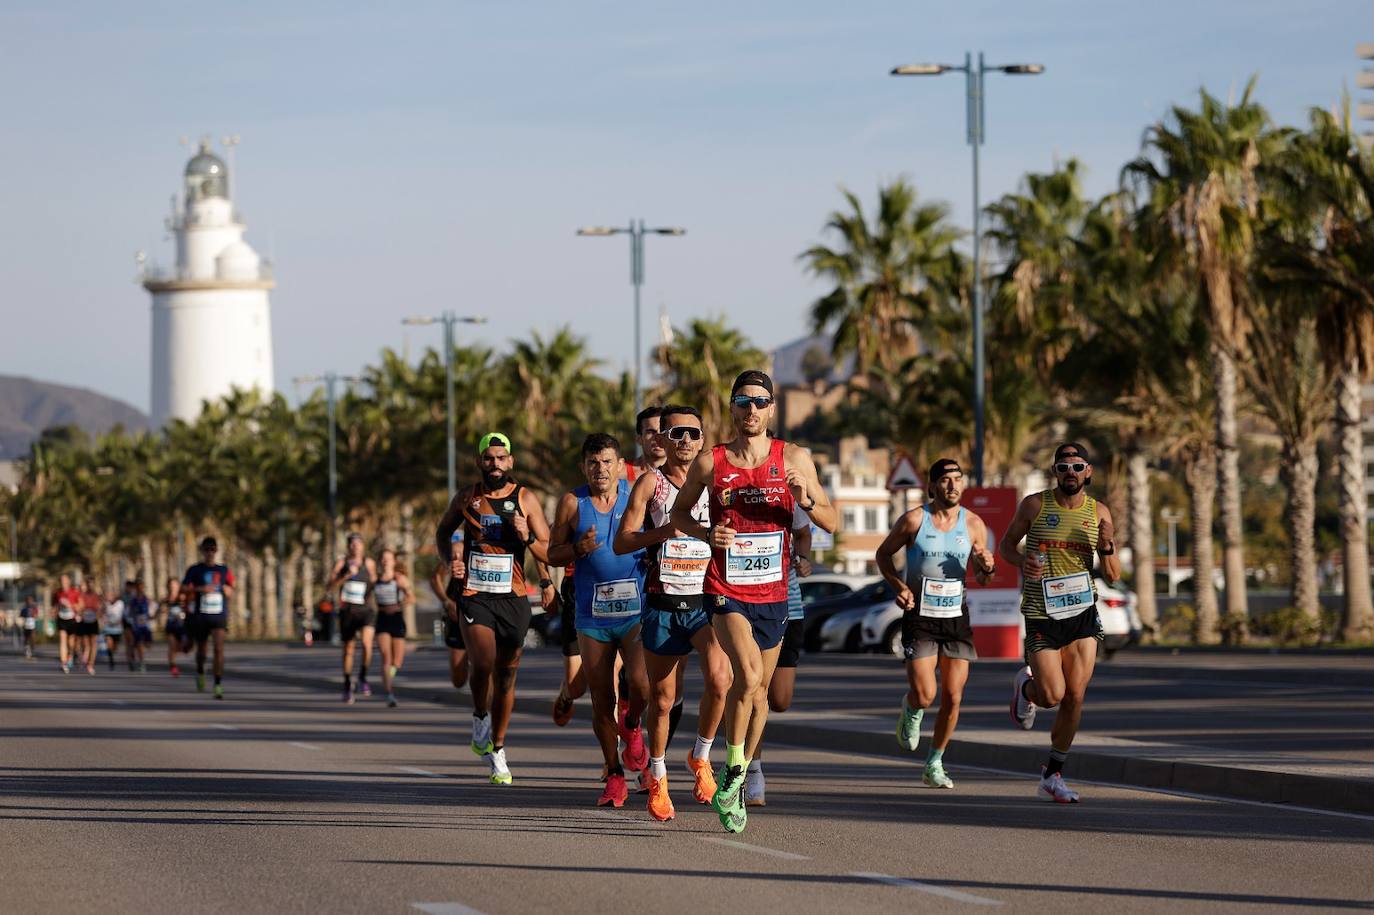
1056 763
674 717
348 681
217 679
362 674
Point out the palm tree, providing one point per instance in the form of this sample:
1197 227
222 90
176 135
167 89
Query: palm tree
698 367
896 281
1199 175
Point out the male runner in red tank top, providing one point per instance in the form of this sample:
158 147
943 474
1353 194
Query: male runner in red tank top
754 481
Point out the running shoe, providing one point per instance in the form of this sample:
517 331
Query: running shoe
175 671
200 683
644 779
391 700
615 792
935 777
635 755
562 709
660 804
705 785
728 801
347 696
481 736
909 726
219 691
66 668
1052 788
392 671
364 690
754 785
90 669
142 667
500 772
1022 709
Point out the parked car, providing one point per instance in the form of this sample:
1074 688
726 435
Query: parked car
828 585
844 633
881 626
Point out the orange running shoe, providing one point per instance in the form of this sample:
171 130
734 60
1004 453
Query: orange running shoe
660 804
705 787
616 792
562 709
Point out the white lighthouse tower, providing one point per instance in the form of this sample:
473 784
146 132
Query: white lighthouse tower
212 328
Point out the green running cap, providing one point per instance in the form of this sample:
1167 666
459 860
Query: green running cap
497 438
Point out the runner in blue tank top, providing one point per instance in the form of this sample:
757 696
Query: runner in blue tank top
609 589
939 539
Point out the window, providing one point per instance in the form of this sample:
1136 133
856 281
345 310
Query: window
871 518
847 517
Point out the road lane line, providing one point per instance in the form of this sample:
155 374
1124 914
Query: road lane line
304 746
445 908
934 890
427 774
224 727
745 846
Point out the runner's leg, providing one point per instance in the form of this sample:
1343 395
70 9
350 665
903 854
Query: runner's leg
1078 660
503 691
598 663
953 676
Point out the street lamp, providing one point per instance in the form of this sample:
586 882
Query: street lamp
636 231
330 379
973 75
1172 517
448 319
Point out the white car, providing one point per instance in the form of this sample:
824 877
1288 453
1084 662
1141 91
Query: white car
881 626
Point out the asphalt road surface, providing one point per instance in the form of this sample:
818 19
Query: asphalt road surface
126 792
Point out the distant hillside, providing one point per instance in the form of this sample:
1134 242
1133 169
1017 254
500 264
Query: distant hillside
27 407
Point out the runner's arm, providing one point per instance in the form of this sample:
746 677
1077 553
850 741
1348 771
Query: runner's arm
436 586
701 470
631 536
1106 545
1010 547
450 522
538 525
561 551
801 472
897 539
984 561
336 576
228 585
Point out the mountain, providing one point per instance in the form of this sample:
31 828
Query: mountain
27 407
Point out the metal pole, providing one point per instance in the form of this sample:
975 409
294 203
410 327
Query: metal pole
637 279
329 380
449 318
975 139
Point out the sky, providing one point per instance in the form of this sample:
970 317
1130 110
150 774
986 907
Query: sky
410 158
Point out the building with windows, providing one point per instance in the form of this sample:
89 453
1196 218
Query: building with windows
857 485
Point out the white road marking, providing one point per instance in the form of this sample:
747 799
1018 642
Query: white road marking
427 774
224 727
304 746
956 895
745 846
445 908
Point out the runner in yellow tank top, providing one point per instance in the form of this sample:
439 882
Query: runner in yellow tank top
1062 528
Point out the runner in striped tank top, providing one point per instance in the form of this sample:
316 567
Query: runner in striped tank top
392 592
1062 527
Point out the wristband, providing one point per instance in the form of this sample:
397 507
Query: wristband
530 539
545 583
807 508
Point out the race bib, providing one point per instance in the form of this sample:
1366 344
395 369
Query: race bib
754 559
66 614
1067 595
387 593
212 602
682 563
354 592
89 616
491 573
30 623
942 598
611 599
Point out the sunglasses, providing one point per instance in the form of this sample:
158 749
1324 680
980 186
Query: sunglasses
1065 467
744 400
683 433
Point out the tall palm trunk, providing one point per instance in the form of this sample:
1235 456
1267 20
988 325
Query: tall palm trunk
1357 622
290 571
1228 492
1300 478
271 604
1142 539
239 617
1201 475
145 563
408 557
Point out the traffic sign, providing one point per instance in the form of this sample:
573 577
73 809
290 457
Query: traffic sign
903 475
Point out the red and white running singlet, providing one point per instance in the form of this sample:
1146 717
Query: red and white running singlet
757 503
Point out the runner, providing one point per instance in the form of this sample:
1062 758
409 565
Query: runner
754 483
502 520
138 625
674 621
939 538
574 683
28 616
1062 528
66 607
608 591
210 585
173 612
353 577
112 625
785 675
648 423
392 592
88 628
449 593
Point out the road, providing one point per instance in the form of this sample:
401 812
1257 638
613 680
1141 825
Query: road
282 799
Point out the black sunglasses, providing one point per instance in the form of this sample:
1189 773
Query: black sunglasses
683 433
744 400
1064 467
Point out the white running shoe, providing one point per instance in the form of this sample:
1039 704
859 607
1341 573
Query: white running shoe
481 735
753 788
500 772
1052 788
1022 709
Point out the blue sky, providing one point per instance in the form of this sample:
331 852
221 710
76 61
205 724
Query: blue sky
439 155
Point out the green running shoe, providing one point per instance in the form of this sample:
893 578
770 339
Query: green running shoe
500 772
219 692
200 683
935 776
728 801
909 727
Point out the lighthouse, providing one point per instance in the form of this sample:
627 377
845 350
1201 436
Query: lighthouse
212 327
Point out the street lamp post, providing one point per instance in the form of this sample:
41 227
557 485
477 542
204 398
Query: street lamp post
331 379
448 319
636 231
1172 517
973 76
